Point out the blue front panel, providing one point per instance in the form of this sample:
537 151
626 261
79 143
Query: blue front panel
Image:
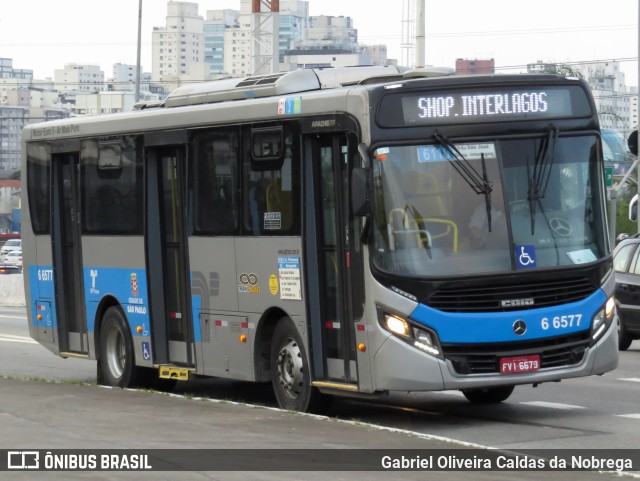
474 328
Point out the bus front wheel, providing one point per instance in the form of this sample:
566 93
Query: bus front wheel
290 373
116 365
488 395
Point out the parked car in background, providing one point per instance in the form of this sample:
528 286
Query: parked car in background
626 262
11 245
13 258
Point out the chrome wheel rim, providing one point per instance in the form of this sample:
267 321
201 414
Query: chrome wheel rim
290 369
116 352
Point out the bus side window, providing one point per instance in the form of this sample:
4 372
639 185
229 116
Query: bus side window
111 186
271 181
39 187
215 160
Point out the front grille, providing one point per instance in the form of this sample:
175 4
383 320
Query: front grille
489 298
485 358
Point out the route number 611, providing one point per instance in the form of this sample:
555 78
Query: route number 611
561 322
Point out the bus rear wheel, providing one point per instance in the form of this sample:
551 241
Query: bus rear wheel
488 395
116 364
290 373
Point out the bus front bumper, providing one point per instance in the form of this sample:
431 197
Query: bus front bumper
399 366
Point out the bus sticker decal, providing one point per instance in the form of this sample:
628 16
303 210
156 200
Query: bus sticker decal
289 274
146 351
438 153
525 256
93 273
290 106
273 284
583 256
272 220
134 285
249 284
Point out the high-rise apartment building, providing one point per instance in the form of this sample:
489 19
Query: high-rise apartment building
215 26
328 42
7 70
124 76
228 36
79 78
13 118
612 96
616 103
178 51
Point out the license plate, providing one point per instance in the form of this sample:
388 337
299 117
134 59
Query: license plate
513 365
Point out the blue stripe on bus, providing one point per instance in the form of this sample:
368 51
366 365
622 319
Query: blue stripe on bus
473 328
128 286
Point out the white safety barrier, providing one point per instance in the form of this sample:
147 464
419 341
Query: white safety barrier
11 290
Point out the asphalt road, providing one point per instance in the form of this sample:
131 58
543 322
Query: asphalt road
596 412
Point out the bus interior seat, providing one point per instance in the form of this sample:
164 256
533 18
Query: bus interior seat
430 209
280 201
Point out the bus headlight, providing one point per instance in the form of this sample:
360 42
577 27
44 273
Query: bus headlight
419 337
397 325
602 320
426 341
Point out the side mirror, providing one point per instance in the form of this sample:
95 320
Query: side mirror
360 202
632 142
633 208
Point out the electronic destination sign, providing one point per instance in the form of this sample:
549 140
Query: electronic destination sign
488 105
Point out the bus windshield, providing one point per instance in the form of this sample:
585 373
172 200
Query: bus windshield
541 208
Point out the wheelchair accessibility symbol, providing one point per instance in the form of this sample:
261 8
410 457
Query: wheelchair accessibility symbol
525 256
146 351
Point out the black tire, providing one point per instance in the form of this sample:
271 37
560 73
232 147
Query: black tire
290 373
624 339
116 363
488 395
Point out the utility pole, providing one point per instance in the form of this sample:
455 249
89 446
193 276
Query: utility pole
265 37
408 33
420 34
638 119
138 67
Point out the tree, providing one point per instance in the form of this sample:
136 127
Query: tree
623 224
562 69
16 175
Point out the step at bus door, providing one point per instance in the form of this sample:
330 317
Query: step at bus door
67 256
338 277
169 290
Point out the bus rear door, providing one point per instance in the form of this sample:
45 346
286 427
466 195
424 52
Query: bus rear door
169 291
67 256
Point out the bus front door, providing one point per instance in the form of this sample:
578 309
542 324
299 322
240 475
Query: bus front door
167 263
338 258
67 256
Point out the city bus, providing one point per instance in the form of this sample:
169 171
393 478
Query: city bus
349 231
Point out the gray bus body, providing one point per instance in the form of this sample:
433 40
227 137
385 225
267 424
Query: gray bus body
215 236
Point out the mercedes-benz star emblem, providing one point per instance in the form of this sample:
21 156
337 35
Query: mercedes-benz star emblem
519 327
560 226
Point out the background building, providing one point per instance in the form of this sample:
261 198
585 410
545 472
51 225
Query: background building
475 66
328 42
79 78
178 50
612 97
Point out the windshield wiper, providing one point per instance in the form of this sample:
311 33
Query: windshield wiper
539 178
479 183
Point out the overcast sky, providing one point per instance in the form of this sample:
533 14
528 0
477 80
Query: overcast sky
43 35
